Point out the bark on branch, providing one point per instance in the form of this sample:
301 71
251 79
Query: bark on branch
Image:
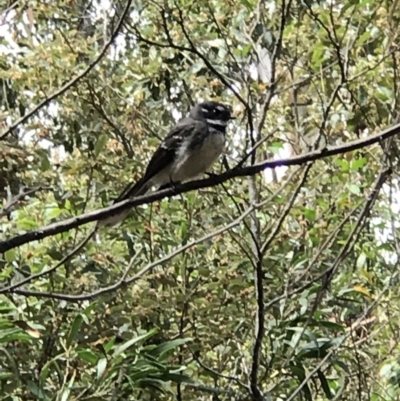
68 224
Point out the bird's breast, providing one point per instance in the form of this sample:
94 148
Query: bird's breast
199 159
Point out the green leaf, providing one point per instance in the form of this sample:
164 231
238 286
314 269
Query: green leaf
100 144
384 93
363 38
37 392
52 363
14 335
10 255
276 147
143 373
12 364
358 163
6 376
247 4
45 163
88 356
344 164
331 325
101 367
53 212
155 384
299 372
301 331
177 378
122 348
342 365
26 223
355 189
165 347
324 384
76 325
309 214
347 5
109 345
315 350
317 56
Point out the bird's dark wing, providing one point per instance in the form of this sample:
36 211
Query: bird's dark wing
164 155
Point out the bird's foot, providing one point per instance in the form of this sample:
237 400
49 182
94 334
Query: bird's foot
171 185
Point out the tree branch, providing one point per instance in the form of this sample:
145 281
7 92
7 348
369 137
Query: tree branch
66 225
73 81
12 201
43 273
76 298
343 338
138 275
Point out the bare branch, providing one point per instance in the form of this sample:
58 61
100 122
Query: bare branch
76 298
97 104
277 49
335 44
260 290
142 272
194 50
53 269
12 201
216 373
285 213
66 225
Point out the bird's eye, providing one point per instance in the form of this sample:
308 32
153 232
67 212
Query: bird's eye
215 111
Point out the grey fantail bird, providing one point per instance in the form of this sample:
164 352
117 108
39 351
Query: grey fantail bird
188 151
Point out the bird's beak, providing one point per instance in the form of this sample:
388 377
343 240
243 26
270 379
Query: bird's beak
233 118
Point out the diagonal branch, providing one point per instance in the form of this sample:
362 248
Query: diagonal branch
73 81
66 225
384 174
195 50
346 249
359 225
343 338
67 257
234 223
139 274
13 201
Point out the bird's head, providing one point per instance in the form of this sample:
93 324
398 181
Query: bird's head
215 113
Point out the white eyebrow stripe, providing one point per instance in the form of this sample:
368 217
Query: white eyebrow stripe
217 122
220 108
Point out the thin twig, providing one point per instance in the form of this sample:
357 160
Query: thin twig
73 81
208 369
67 257
12 201
143 271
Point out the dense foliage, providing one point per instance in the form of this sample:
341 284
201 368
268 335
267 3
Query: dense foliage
281 285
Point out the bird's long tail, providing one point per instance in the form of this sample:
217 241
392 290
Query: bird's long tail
131 191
